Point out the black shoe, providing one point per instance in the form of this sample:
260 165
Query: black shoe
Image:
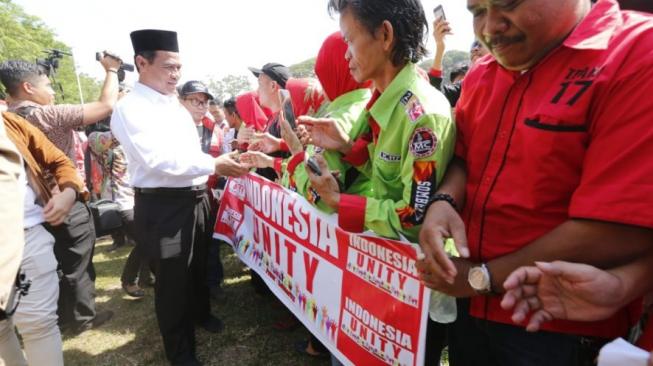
133 290
213 325
100 318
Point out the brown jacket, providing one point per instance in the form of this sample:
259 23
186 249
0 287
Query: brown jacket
40 155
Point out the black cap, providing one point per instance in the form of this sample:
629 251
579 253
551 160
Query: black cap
154 40
275 71
194 87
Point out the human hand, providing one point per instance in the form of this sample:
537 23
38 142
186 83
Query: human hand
442 222
441 28
110 61
256 159
326 185
59 206
290 137
245 135
561 290
325 133
228 166
459 287
264 142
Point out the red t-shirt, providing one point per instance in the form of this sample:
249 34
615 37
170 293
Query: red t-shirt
570 138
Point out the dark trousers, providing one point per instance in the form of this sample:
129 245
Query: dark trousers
172 232
214 269
136 264
474 341
73 248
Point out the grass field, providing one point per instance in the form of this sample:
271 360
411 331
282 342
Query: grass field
132 336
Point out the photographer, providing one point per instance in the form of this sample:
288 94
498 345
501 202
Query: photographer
32 97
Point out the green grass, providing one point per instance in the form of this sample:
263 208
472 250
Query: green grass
132 336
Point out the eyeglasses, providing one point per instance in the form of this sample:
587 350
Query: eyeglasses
197 103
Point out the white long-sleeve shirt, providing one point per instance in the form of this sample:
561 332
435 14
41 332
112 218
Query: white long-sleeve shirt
160 141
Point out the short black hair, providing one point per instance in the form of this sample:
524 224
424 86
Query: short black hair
15 72
230 106
407 19
215 102
148 55
459 69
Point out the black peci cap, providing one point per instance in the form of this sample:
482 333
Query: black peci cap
275 71
154 40
194 87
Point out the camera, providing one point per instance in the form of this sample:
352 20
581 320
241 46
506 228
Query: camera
123 66
50 64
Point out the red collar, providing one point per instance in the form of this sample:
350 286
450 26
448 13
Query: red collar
596 29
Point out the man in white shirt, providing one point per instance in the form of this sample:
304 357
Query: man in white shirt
168 171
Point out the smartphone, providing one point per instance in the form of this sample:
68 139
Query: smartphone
312 165
438 12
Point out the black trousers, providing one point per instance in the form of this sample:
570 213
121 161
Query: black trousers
474 341
136 264
171 231
214 270
73 248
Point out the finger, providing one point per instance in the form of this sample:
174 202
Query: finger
321 162
307 121
57 219
256 146
48 207
432 243
431 240
510 298
522 276
522 308
537 319
570 271
52 215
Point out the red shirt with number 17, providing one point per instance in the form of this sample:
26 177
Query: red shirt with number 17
571 138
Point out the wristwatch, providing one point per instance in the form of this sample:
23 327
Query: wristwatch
479 279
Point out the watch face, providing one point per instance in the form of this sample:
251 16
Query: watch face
478 279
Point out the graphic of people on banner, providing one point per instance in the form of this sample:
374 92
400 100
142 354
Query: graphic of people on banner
358 294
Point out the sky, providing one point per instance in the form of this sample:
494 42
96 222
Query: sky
216 38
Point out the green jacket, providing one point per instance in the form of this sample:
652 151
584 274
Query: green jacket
407 162
345 109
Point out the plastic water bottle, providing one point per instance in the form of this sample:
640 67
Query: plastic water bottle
442 308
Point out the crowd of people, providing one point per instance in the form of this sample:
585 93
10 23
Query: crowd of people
532 157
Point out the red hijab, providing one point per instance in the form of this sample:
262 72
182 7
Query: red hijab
306 94
332 69
251 112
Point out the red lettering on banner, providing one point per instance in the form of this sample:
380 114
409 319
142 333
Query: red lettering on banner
389 273
285 211
385 319
402 280
310 264
290 249
395 350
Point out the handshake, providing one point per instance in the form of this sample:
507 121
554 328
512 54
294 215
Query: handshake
229 165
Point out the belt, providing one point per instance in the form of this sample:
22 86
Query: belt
180 191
